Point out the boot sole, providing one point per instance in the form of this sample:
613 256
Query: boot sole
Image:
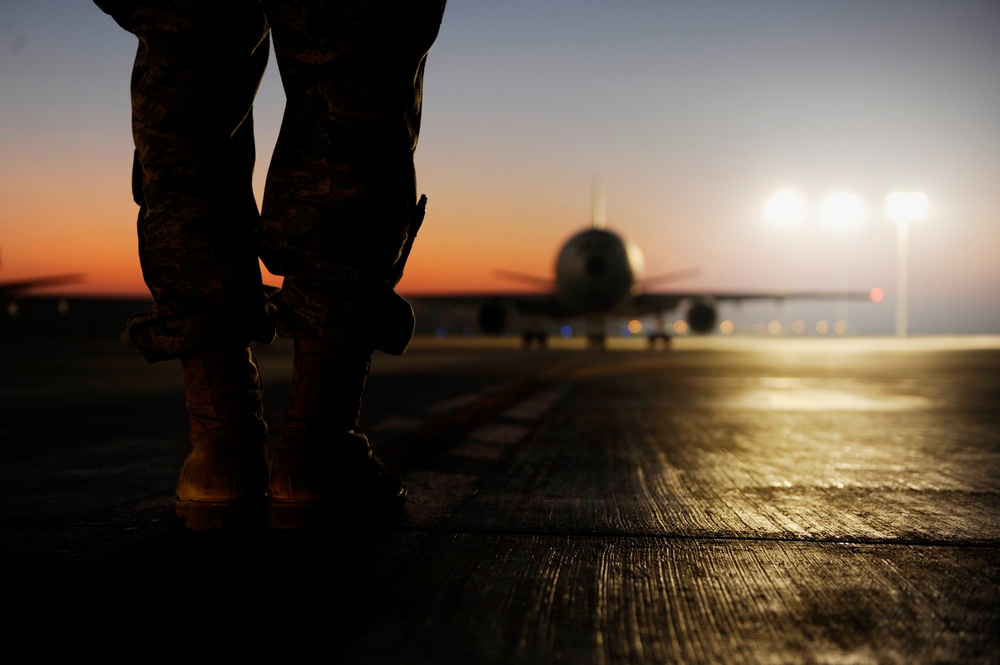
201 515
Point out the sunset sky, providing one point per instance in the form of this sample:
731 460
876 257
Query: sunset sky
692 112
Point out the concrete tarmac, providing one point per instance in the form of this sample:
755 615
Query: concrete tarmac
730 501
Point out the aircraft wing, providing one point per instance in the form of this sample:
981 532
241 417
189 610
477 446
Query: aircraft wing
528 303
665 301
8 289
490 311
548 304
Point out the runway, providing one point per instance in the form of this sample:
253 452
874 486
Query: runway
730 501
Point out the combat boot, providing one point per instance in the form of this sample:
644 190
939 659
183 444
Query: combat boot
223 481
324 471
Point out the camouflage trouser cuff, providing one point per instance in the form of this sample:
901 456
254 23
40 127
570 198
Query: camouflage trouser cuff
368 314
160 335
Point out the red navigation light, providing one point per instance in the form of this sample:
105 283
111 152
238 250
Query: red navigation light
877 294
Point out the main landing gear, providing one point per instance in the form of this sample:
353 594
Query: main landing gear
540 338
659 336
597 341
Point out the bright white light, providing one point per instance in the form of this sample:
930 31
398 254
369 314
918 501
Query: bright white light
785 208
906 207
842 211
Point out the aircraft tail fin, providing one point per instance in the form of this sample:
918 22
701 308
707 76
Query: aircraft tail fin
598 217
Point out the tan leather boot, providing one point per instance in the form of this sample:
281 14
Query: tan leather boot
324 471
223 481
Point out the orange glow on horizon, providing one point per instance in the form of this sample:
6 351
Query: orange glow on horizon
104 253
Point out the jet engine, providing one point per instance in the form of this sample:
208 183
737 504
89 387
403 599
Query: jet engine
491 316
701 317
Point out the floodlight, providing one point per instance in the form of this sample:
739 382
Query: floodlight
785 208
842 211
904 207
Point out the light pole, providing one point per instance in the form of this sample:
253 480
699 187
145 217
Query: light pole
903 208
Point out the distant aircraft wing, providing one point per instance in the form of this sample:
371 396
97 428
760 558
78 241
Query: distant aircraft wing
529 303
8 289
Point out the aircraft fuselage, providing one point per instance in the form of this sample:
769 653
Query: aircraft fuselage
597 271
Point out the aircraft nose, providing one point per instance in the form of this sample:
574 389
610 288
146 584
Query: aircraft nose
596 266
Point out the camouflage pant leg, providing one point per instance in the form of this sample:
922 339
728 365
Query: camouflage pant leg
341 191
196 73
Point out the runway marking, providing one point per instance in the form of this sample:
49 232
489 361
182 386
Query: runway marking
481 450
506 433
462 401
535 406
398 424
491 441
454 403
410 422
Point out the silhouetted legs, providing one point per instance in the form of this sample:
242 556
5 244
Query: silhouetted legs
339 204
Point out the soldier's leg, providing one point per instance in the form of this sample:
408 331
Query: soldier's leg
196 73
339 202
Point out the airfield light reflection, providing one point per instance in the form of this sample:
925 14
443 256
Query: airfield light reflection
822 327
727 327
680 327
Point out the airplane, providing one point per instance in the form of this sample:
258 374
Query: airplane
597 277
